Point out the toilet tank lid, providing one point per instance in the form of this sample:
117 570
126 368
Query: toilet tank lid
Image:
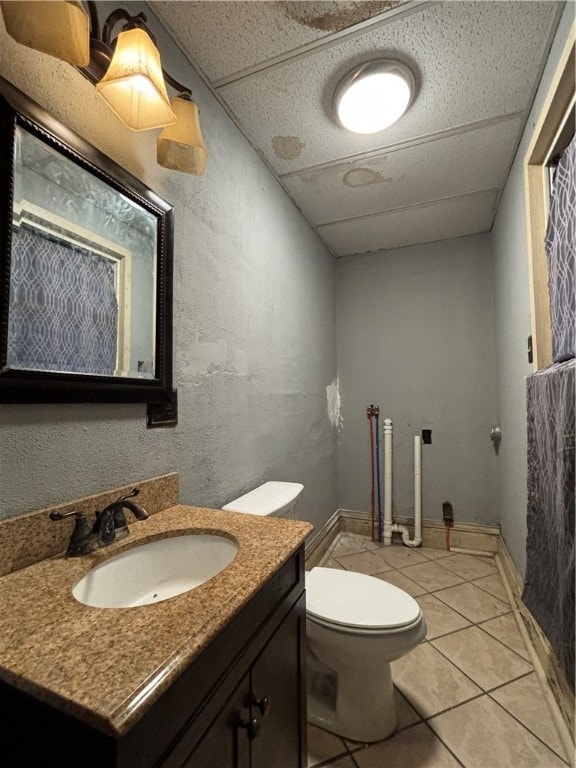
357 600
271 498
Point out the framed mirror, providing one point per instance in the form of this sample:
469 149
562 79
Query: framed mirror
85 269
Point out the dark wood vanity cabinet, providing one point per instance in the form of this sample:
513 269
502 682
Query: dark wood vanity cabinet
259 725
240 704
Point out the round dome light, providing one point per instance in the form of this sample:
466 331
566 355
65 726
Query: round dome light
373 96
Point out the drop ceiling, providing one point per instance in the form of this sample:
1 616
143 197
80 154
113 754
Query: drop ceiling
440 170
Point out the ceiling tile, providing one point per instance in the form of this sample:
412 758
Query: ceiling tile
473 60
440 220
447 167
250 33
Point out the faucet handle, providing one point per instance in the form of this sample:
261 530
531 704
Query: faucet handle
61 515
133 492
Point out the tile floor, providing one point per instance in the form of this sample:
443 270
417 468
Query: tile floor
467 696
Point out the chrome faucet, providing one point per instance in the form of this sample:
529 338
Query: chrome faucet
109 526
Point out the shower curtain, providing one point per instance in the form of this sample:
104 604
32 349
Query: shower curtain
561 253
549 590
549 585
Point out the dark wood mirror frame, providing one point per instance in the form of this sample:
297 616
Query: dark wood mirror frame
34 386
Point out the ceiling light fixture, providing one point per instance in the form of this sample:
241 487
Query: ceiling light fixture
126 70
374 96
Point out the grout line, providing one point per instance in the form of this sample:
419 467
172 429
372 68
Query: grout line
477 621
448 659
454 755
502 641
487 590
526 726
424 722
330 760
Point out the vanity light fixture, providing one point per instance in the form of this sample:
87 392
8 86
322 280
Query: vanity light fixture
180 145
374 96
126 70
133 86
59 29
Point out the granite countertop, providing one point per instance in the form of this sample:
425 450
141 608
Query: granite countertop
106 666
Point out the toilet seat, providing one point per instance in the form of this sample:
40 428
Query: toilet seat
354 602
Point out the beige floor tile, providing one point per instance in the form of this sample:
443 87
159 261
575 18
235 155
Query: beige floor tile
347 545
482 658
406 715
483 735
430 682
472 602
469 566
365 562
433 553
322 745
416 747
431 576
524 699
399 557
505 629
402 582
331 563
372 545
493 584
439 617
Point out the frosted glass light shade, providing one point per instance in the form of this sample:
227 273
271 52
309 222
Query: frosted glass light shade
60 29
181 146
133 86
374 96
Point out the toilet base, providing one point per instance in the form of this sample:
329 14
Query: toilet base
357 705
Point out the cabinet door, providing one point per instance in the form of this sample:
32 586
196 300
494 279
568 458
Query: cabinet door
279 696
226 744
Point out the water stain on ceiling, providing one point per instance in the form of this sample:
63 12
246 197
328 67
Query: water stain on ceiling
364 177
287 147
334 16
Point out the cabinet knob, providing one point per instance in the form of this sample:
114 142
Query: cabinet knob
252 726
263 704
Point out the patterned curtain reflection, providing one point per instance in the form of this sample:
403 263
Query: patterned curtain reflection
63 308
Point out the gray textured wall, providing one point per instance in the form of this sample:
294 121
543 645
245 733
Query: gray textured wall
254 316
514 325
416 336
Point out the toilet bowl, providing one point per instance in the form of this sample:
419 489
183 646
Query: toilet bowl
355 626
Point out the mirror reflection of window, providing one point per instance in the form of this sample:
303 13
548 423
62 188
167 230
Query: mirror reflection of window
63 307
83 278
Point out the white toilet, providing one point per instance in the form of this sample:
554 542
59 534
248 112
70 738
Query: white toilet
355 626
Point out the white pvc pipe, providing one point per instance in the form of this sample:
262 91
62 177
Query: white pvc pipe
389 526
388 430
417 494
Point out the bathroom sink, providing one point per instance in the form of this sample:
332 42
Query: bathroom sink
155 571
